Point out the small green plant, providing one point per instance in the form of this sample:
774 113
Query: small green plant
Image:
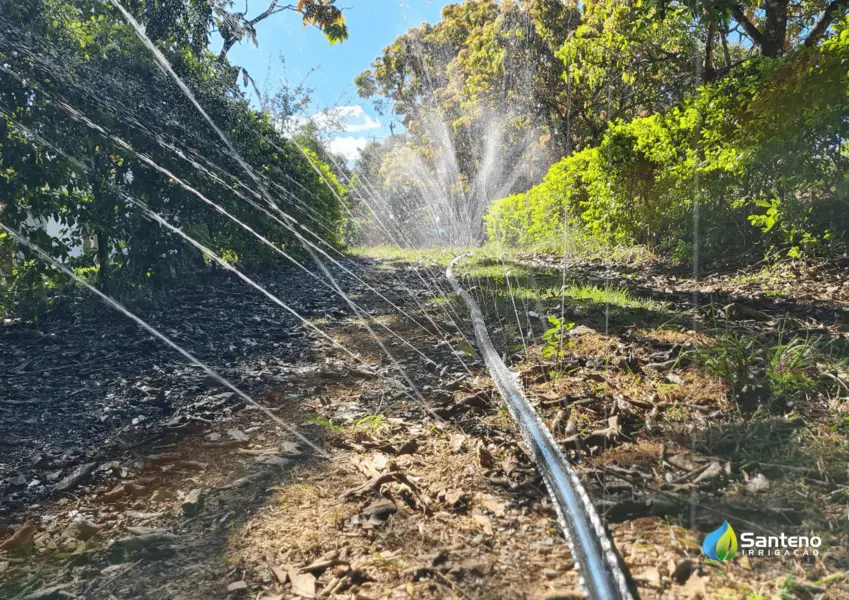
553 337
373 422
787 368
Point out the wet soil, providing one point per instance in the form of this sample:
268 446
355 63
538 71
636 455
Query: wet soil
419 495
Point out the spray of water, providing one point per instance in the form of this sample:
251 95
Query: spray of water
21 239
220 209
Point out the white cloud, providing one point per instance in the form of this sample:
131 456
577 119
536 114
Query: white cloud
349 147
347 119
342 119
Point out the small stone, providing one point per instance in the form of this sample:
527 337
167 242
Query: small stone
192 503
237 586
213 437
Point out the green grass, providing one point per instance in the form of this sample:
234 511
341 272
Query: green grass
484 261
437 256
326 423
788 367
611 294
576 245
370 422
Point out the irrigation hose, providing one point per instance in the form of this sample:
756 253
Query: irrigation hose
600 569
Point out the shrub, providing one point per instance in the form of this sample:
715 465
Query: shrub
763 153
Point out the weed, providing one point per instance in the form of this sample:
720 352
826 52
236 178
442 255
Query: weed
609 294
326 423
553 337
787 368
373 422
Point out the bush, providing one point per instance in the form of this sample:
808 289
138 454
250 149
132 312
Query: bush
763 153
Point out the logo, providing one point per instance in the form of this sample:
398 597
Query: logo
721 544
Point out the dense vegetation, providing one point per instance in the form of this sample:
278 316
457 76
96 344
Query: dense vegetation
530 122
93 133
715 129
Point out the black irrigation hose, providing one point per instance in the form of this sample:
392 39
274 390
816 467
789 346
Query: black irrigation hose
600 569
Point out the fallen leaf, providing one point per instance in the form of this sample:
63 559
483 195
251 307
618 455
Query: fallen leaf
493 505
303 584
22 537
484 522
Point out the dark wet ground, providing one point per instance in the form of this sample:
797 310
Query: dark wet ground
87 381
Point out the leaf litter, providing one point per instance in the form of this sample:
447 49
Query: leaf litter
217 502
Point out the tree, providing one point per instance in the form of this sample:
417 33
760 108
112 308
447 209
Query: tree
482 99
774 27
322 14
622 62
92 129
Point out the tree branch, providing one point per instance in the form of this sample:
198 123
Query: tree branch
709 67
271 10
725 52
749 27
825 20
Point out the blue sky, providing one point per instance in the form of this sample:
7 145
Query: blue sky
372 25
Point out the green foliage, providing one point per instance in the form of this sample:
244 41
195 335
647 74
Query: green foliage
370 422
788 368
553 337
623 62
765 146
488 71
89 121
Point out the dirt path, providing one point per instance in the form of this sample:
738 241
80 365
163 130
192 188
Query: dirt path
441 501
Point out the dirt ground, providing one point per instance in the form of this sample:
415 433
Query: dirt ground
424 489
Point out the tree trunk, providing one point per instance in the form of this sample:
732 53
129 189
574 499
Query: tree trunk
726 54
775 28
102 258
709 67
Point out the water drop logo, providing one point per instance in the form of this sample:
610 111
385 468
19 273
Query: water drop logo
721 544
